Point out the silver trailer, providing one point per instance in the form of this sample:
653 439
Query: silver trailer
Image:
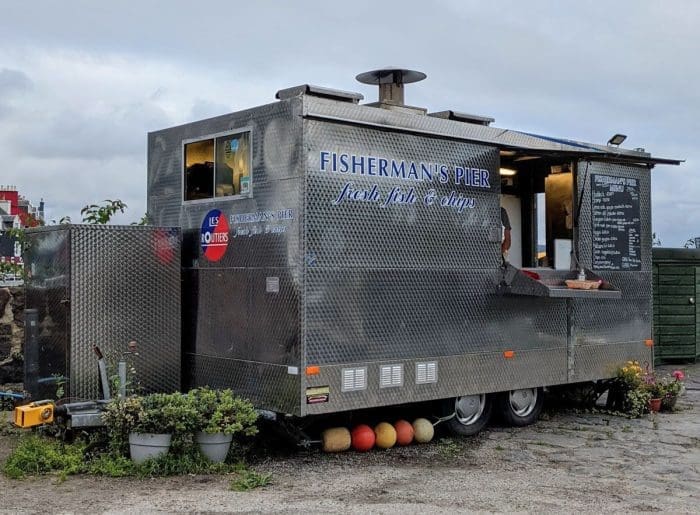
340 256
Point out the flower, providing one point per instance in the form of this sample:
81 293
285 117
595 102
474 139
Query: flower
636 385
631 374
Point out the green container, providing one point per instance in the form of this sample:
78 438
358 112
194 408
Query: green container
676 284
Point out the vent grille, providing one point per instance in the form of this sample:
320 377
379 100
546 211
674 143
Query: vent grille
354 379
390 375
426 372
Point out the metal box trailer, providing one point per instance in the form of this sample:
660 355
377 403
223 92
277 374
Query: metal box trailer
340 256
101 285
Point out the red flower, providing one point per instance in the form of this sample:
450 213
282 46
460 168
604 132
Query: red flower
679 375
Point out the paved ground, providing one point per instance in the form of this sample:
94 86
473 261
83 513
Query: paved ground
566 462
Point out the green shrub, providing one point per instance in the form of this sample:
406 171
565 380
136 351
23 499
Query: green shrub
119 417
221 411
155 413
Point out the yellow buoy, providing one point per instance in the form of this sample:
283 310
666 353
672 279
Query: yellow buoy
336 439
423 430
386 435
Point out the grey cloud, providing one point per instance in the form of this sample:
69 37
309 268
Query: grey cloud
207 109
68 184
12 81
121 131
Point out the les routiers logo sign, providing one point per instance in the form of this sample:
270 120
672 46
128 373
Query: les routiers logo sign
214 235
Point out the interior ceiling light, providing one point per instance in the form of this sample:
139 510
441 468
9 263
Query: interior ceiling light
617 139
507 172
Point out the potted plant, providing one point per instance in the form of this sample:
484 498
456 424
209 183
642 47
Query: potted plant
655 389
672 389
624 393
220 415
147 423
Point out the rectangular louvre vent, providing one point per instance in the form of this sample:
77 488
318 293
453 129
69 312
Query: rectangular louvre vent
390 375
354 379
426 372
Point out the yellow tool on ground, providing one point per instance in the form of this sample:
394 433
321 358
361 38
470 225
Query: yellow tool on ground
34 414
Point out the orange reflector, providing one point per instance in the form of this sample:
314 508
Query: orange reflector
508 354
649 343
313 370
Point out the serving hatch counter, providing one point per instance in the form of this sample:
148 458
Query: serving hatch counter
547 282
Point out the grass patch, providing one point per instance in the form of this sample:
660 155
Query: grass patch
448 448
37 455
249 480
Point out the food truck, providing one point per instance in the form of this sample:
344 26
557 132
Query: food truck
339 255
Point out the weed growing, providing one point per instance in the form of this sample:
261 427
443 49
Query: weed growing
448 448
249 480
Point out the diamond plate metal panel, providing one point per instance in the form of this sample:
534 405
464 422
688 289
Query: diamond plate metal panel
47 290
416 235
125 286
606 333
601 361
613 321
585 233
237 318
276 136
252 240
268 386
459 375
380 314
242 311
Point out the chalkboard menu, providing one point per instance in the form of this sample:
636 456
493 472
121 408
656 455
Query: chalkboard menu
616 223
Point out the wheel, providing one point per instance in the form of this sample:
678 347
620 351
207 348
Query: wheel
520 407
471 413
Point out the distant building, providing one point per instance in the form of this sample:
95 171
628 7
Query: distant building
13 204
15 212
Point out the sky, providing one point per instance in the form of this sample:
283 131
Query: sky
83 82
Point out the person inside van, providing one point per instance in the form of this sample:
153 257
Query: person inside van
505 222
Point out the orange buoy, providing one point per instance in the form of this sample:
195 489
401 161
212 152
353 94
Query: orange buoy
385 435
423 430
363 438
336 439
404 432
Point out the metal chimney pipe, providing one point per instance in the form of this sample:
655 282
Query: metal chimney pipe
390 81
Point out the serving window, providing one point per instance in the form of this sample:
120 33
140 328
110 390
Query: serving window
218 167
539 196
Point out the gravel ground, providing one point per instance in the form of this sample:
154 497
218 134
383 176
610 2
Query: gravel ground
566 462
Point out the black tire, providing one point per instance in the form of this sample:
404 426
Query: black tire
472 417
520 407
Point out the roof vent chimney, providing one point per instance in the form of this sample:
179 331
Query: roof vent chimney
391 91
